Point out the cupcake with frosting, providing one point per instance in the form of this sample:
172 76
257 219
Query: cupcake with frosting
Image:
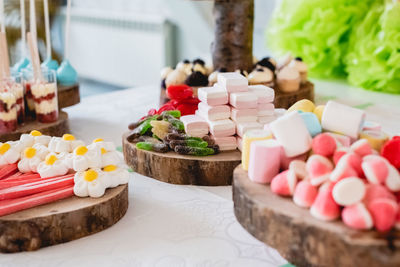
298 64
261 75
175 77
164 73
185 66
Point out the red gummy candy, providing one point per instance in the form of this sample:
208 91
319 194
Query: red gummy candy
165 107
190 101
391 151
187 109
180 91
152 112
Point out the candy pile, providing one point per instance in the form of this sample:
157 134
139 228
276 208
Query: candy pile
336 173
230 107
40 169
165 132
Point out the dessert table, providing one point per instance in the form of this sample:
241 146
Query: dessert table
176 225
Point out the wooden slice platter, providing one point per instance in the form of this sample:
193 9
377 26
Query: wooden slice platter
304 240
282 100
174 168
68 95
57 128
62 221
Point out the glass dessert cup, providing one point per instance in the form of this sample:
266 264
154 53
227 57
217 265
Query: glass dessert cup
8 108
17 88
28 99
44 94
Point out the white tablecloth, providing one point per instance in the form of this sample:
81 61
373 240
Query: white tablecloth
171 225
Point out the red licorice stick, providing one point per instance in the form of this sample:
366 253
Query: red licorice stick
8 170
17 174
18 204
28 182
21 177
24 190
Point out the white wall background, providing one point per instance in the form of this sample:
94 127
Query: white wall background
194 22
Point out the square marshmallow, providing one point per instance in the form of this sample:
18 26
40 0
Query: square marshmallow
213 113
195 125
233 82
242 128
213 96
243 100
225 143
266 109
264 93
244 115
222 128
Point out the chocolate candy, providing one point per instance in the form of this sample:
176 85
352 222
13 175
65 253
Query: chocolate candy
188 142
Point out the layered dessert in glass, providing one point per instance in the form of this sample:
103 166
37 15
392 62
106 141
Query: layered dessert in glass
29 102
8 109
44 93
15 84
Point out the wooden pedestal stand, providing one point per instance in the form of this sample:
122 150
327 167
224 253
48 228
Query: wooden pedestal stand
304 240
68 95
62 221
180 169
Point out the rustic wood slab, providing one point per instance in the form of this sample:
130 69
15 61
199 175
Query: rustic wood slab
68 95
304 240
57 128
282 100
62 221
179 169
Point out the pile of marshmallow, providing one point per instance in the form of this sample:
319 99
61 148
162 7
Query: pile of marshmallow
230 107
332 167
97 166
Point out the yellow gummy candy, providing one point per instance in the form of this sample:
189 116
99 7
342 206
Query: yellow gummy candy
109 168
304 105
68 137
103 150
90 175
81 150
30 152
160 128
319 110
36 133
375 139
98 140
50 159
4 148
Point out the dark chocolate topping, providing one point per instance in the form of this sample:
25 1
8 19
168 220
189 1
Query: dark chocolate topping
265 62
186 61
197 79
163 85
199 61
299 58
260 70
222 70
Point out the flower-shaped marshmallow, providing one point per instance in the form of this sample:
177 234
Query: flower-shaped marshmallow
89 183
52 166
84 158
31 158
109 155
34 137
65 144
10 152
115 175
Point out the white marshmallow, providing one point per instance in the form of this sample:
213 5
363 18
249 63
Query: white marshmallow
292 134
348 191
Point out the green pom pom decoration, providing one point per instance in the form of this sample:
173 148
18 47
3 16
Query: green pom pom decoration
316 30
373 59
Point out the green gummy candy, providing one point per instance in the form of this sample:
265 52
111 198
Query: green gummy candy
145 146
173 113
196 143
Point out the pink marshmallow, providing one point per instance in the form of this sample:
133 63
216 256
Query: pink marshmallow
244 115
225 143
195 125
342 170
213 96
284 183
299 168
357 217
324 207
375 191
213 113
261 152
285 160
341 140
264 94
324 145
232 82
243 127
222 128
319 169
305 194
375 169
383 212
361 147
265 109
348 191
266 119
393 179
243 100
